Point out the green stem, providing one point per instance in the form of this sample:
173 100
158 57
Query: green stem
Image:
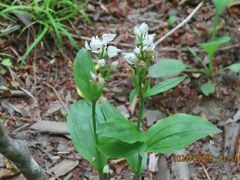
139 122
139 168
94 122
141 108
215 26
211 66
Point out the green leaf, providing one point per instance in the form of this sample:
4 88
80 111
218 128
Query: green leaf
212 46
133 94
117 149
234 67
176 132
121 129
79 123
207 88
83 65
7 62
109 111
220 5
171 20
166 67
164 86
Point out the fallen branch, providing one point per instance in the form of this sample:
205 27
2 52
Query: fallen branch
180 25
17 152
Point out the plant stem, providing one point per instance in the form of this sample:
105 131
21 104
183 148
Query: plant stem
139 122
94 121
100 173
211 66
138 173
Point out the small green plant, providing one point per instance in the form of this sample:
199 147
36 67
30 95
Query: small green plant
48 14
171 20
211 47
99 131
6 62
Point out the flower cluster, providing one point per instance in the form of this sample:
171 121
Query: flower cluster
144 44
101 48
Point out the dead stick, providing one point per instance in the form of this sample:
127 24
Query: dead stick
17 152
179 25
60 99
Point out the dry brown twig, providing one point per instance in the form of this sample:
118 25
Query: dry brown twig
180 24
60 99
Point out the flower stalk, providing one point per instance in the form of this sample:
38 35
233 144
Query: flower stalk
140 59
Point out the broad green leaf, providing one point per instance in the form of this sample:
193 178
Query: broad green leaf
176 132
121 129
109 111
234 67
207 88
6 63
164 86
166 67
83 65
220 5
79 123
212 46
117 149
133 161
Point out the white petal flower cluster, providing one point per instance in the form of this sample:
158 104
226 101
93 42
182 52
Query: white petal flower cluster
144 43
99 46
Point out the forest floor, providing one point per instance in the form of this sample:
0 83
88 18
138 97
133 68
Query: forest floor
47 91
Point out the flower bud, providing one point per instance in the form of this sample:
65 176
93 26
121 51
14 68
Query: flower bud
101 62
93 76
114 65
101 80
131 58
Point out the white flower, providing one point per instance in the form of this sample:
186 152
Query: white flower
112 51
131 58
95 45
106 38
114 65
101 62
101 80
93 76
137 51
141 30
148 44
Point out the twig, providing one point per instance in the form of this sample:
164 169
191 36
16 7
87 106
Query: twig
179 25
60 99
17 152
205 171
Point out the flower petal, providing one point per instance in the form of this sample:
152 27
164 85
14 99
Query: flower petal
106 38
96 44
143 28
112 51
87 46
